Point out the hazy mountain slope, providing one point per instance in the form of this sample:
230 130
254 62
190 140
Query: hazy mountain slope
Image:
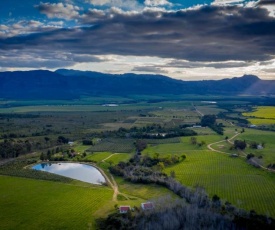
66 84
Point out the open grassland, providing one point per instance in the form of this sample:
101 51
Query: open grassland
209 109
182 147
261 137
230 178
33 204
183 115
118 157
111 158
98 156
146 192
263 115
80 148
86 106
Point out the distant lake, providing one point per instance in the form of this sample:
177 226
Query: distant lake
82 172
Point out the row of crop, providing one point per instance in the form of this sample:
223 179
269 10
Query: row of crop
231 179
113 145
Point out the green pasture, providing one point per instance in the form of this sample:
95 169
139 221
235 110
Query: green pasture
98 156
266 137
114 158
80 148
209 109
175 113
230 178
146 192
118 157
203 131
182 147
33 204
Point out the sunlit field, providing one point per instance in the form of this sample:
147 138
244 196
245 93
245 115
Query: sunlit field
230 178
34 204
263 115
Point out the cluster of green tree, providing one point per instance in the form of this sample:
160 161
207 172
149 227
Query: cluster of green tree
154 131
238 144
11 148
249 156
62 140
193 141
140 145
87 142
240 121
51 152
18 115
12 135
210 121
146 169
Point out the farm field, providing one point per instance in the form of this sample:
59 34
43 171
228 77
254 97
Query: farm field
146 192
70 204
113 145
98 156
261 137
118 157
33 204
182 147
263 115
230 178
209 109
262 112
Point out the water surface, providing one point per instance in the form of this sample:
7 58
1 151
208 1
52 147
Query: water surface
82 172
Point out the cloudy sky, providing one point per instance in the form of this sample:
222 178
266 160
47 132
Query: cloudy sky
183 39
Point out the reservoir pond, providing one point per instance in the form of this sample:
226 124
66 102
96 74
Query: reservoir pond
82 172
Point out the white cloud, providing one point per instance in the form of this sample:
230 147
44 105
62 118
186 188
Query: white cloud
227 2
157 3
25 27
125 4
59 10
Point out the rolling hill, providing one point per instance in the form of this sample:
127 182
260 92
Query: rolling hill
69 84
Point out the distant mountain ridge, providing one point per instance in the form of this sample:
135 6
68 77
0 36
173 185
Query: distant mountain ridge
69 84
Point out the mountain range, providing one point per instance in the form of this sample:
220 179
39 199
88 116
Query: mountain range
70 84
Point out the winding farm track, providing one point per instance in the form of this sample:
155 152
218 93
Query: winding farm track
109 157
112 181
229 140
244 154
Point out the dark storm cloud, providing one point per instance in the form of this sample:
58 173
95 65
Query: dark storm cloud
216 65
266 2
181 64
206 34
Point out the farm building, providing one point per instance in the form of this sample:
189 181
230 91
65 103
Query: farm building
147 206
124 209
